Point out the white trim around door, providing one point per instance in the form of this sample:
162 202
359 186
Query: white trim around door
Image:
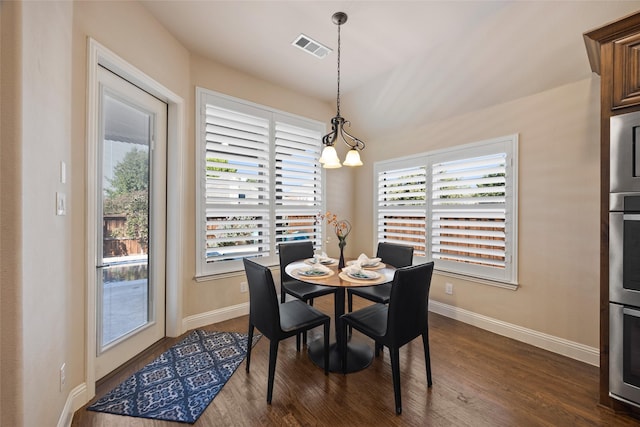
99 55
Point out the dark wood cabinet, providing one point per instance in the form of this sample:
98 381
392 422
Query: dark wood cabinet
614 54
626 72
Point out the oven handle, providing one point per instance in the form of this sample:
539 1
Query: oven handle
631 217
631 312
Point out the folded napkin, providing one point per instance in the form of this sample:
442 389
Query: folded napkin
365 261
322 258
356 270
316 268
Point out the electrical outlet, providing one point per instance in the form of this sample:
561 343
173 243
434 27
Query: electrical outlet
448 288
63 375
244 287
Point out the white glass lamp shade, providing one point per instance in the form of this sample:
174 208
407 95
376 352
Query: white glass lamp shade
353 158
329 158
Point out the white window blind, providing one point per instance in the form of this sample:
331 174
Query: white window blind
455 206
402 202
259 179
298 182
469 212
237 184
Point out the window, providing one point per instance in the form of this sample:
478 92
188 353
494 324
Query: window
402 204
455 206
260 182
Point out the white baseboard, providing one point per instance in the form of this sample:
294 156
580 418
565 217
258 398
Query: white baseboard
574 350
214 316
76 399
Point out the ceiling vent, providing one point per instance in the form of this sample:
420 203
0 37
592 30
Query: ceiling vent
311 46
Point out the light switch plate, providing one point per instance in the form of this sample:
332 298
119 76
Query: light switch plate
61 204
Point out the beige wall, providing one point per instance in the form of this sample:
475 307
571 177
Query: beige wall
47 281
559 136
43 309
44 63
11 390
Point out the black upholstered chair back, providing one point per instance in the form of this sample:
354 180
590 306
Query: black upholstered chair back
408 303
293 251
263 300
394 254
278 321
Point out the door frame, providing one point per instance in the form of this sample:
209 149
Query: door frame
100 55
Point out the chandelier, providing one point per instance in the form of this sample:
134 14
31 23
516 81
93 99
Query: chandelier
329 158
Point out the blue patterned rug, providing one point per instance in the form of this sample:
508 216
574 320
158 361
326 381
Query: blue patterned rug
182 381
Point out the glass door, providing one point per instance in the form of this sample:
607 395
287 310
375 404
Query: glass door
131 212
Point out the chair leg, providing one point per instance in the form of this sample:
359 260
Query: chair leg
326 347
283 295
350 309
273 355
304 334
427 356
342 343
298 341
378 348
249 346
395 373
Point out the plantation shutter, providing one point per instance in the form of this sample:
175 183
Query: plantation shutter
259 182
456 206
469 213
298 184
237 183
402 206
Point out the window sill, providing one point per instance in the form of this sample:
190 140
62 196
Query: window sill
228 274
489 282
275 269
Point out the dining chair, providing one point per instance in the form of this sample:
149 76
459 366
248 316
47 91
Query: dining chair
398 323
295 251
389 253
278 321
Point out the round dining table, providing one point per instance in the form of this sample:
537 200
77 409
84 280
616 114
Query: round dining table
359 355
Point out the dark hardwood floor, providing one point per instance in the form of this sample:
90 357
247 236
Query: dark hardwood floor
479 379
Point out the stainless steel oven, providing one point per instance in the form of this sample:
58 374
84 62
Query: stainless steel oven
624 248
624 259
624 153
624 353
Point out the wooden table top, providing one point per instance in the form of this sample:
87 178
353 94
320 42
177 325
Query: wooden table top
339 278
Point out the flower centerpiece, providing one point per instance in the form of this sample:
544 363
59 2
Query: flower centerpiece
342 229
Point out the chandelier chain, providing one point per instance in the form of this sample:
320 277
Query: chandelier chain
338 99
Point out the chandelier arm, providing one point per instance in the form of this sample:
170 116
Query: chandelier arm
358 144
330 138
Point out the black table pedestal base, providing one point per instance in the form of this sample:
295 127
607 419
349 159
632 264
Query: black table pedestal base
359 356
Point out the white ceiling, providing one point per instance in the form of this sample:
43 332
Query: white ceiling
402 62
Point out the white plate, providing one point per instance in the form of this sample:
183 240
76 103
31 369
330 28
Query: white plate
327 261
313 273
367 275
374 266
